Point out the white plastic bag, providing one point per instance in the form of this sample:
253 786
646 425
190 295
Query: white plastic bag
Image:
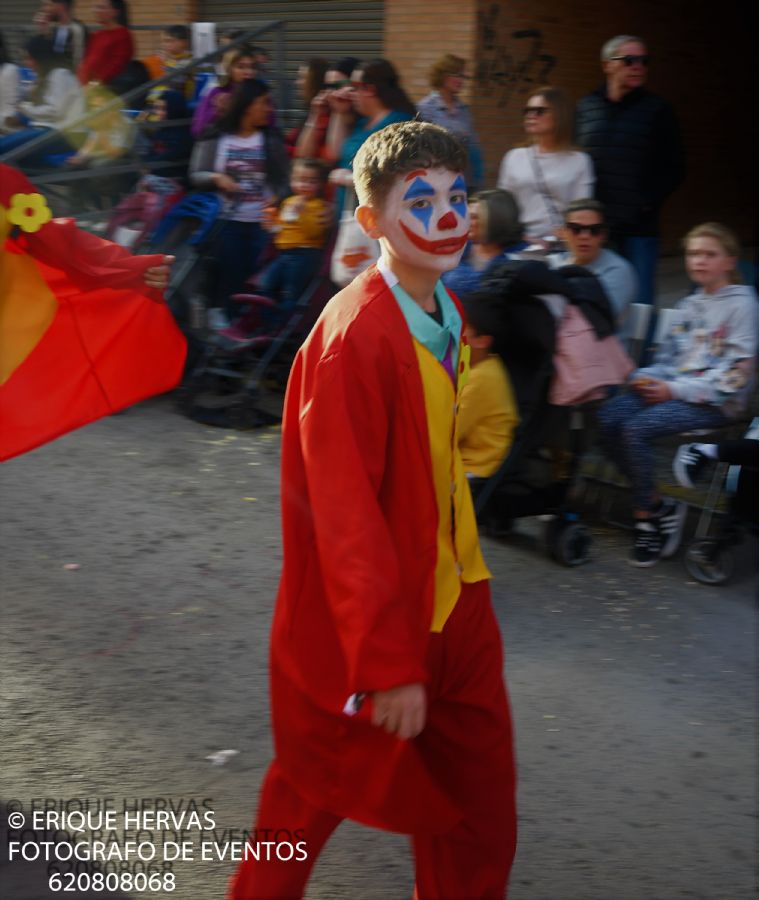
354 250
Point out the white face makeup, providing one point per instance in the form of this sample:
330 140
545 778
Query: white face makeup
425 219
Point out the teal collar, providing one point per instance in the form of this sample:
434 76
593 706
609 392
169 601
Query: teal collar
437 338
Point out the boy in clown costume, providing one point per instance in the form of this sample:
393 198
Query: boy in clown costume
388 700
84 331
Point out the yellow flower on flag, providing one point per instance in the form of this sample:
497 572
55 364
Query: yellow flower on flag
5 226
29 211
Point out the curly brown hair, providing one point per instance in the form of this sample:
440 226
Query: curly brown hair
399 149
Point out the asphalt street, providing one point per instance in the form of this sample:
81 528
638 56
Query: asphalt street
140 559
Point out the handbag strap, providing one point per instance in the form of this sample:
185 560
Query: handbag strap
553 210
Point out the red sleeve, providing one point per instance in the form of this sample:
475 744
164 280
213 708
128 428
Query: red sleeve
89 261
108 53
344 432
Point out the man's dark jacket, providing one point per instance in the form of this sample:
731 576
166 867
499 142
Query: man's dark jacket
637 156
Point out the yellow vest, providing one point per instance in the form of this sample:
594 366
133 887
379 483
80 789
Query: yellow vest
458 547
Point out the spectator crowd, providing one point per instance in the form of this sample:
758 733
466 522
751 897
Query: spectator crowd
584 192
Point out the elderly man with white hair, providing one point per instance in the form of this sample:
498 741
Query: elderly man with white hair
634 140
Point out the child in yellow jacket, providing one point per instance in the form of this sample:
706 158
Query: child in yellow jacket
488 414
300 226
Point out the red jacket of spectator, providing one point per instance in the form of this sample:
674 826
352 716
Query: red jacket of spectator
108 52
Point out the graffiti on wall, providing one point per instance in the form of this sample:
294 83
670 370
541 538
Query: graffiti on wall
509 64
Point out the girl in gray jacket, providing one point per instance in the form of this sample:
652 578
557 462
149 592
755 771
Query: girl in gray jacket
245 160
701 378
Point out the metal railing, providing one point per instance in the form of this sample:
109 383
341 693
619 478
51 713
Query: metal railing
252 30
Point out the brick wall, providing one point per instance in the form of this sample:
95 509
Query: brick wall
417 33
700 61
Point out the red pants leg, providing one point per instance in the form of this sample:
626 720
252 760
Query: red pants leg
281 808
467 746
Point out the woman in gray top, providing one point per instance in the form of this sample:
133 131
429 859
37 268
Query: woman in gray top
443 107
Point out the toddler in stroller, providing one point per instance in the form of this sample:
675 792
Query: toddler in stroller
529 306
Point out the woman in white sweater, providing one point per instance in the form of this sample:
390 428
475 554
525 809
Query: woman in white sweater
547 174
56 101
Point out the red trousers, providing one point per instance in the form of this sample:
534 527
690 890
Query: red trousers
466 745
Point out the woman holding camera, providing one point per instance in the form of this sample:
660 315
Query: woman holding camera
547 173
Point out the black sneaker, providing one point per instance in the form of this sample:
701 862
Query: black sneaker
688 464
648 543
670 519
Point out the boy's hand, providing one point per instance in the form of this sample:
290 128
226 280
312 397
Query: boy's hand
400 711
270 220
341 100
654 391
158 276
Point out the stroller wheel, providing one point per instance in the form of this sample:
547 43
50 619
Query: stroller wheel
569 543
709 562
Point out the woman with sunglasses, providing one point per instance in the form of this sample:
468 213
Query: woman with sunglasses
584 235
317 87
547 173
376 96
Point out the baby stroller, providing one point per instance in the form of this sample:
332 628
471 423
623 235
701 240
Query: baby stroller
231 382
136 217
711 560
538 474
188 231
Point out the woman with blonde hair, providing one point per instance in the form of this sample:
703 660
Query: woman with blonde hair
547 173
443 107
701 378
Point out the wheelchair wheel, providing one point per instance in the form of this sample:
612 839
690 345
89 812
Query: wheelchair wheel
568 542
709 562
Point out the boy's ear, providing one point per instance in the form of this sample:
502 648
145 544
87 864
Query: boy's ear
367 219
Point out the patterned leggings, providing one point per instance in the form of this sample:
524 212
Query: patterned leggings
628 427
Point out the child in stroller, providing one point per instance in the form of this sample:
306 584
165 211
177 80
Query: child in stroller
528 302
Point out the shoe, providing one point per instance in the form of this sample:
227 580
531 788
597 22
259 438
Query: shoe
688 464
648 543
670 519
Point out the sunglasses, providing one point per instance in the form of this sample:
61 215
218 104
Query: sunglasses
630 60
576 228
535 110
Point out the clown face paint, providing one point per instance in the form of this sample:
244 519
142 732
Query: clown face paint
425 219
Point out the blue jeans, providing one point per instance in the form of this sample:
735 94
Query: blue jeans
628 426
289 274
642 253
238 249
37 157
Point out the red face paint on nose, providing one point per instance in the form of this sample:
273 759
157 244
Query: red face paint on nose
447 222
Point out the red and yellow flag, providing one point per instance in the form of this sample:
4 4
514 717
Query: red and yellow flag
81 335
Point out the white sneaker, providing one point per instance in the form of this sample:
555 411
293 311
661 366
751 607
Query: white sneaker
671 519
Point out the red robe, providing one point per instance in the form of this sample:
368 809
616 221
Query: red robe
81 335
356 598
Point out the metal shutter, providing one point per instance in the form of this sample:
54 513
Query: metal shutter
327 28
16 23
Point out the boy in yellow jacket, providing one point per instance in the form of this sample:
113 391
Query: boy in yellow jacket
300 226
488 415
